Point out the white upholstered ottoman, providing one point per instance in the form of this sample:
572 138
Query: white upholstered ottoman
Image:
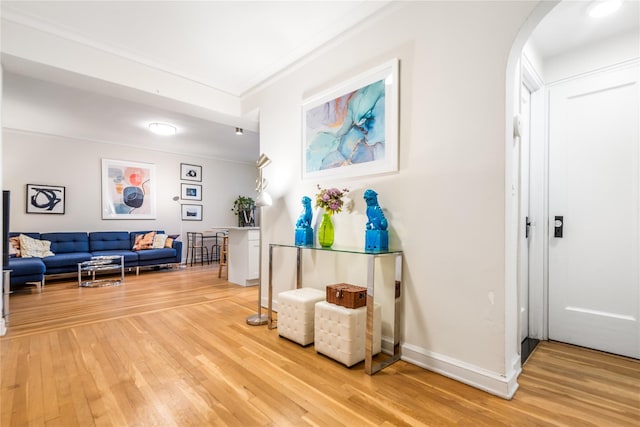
340 332
295 313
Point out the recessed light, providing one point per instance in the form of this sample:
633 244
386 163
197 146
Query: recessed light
162 129
602 8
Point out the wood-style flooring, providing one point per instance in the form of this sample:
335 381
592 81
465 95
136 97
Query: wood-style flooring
172 348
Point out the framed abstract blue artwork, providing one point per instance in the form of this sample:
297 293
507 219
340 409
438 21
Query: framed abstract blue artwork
128 190
352 129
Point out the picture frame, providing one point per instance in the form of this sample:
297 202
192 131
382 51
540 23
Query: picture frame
351 129
128 190
190 191
45 199
190 172
191 212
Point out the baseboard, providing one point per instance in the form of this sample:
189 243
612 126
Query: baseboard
491 382
3 327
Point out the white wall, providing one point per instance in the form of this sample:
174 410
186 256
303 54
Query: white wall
446 205
615 50
30 158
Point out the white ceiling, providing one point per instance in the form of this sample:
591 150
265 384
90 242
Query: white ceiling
231 46
568 26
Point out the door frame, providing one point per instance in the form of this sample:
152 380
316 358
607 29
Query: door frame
538 202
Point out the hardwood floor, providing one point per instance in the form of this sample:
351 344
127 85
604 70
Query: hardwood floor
171 348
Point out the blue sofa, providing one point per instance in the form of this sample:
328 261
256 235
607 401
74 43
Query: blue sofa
71 248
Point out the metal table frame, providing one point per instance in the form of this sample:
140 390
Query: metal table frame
369 367
100 264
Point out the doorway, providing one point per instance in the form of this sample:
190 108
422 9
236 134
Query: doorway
531 207
591 295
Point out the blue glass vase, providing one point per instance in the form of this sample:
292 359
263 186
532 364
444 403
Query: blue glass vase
325 232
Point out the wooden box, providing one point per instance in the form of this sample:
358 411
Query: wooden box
346 295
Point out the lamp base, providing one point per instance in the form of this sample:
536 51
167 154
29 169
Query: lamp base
257 320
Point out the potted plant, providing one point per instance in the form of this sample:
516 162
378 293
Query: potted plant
245 208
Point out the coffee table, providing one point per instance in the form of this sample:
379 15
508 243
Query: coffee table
101 264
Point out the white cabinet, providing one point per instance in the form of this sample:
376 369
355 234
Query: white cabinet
244 255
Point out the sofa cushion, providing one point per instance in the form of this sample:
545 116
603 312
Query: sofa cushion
168 243
159 240
109 241
156 254
70 242
24 270
30 234
66 262
26 266
14 246
144 241
30 247
135 234
16 235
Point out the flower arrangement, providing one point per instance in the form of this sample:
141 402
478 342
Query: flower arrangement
330 199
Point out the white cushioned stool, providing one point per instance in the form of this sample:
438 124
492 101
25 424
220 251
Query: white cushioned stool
341 332
295 313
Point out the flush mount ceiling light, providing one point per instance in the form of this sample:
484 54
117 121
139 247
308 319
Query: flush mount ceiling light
162 129
602 8
239 131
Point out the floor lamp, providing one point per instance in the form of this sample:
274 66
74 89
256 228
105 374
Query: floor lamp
177 200
264 199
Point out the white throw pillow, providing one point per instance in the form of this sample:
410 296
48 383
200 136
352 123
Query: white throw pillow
159 240
33 248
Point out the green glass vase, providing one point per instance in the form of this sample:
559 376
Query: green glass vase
325 232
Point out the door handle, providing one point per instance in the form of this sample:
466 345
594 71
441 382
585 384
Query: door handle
558 226
527 226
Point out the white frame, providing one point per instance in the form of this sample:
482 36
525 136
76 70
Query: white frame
186 169
387 72
184 190
111 191
186 215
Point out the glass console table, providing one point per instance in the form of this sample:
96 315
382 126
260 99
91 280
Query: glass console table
369 367
101 264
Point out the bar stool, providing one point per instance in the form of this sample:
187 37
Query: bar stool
223 257
195 243
215 248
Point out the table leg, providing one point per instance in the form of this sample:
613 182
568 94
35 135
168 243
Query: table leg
298 268
270 298
369 367
368 345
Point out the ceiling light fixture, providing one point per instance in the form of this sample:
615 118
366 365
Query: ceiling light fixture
602 8
239 131
162 129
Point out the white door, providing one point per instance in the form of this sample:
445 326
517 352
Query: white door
594 297
523 252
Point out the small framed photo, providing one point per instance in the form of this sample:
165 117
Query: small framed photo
45 199
192 212
190 172
191 191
